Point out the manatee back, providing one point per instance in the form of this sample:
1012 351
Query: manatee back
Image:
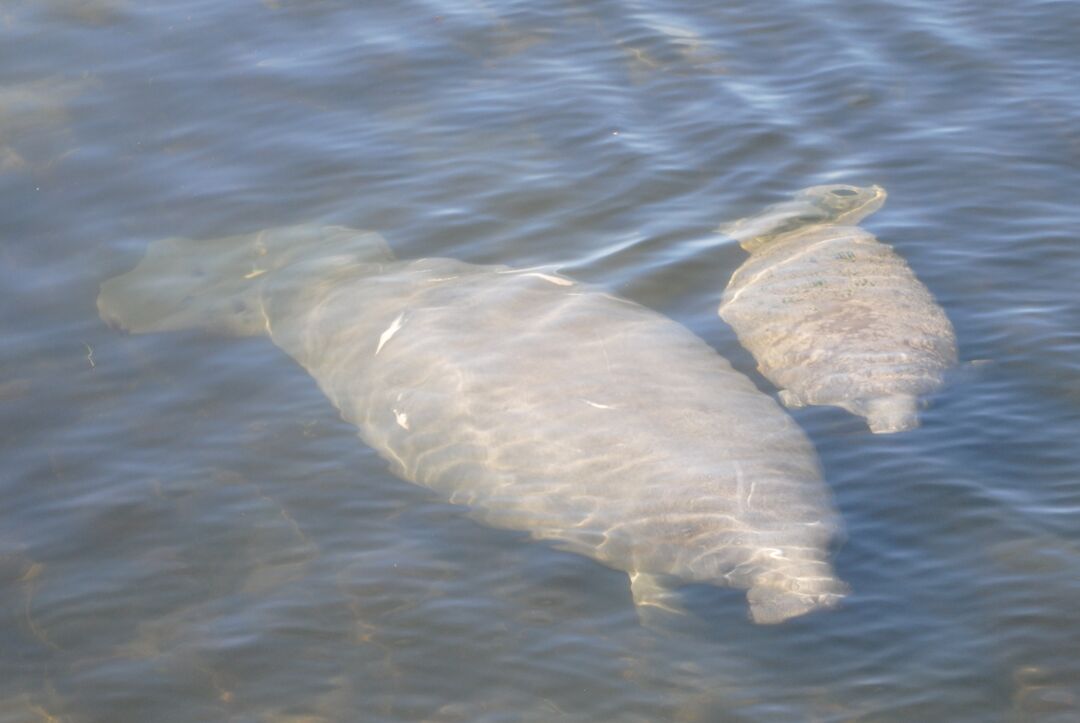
554 408
835 317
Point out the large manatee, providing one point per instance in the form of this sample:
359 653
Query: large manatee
832 315
543 404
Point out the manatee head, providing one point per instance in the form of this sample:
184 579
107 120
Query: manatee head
185 284
841 204
217 284
830 205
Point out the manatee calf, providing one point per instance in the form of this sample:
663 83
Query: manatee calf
833 316
543 404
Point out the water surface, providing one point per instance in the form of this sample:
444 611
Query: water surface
190 533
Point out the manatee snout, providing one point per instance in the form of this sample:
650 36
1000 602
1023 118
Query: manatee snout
107 310
107 314
179 296
126 303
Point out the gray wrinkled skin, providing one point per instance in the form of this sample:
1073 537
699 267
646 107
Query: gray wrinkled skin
542 404
833 316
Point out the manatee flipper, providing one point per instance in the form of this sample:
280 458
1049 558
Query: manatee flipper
216 284
653 595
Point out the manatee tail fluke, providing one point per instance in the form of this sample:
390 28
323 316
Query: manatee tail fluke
896 413
215 284
782 598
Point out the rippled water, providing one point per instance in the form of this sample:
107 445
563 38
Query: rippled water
189 532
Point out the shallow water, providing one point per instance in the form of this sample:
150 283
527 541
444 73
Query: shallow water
190 533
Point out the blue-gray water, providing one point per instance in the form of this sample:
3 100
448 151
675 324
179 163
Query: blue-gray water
189 533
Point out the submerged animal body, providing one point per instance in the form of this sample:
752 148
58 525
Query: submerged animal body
543 404
34 119
832 316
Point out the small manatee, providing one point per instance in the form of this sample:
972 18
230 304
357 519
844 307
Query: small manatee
833 316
